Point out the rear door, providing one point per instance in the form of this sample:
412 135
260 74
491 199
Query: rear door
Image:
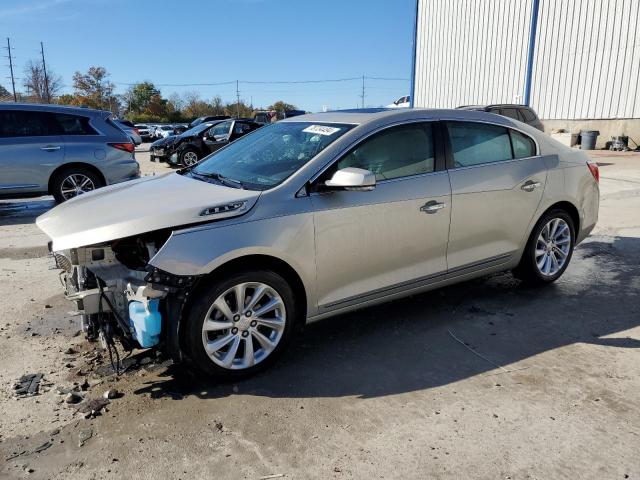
497 181
29 151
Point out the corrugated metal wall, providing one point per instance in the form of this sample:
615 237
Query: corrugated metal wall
586 63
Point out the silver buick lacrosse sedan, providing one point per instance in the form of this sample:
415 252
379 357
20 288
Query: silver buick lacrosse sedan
314 216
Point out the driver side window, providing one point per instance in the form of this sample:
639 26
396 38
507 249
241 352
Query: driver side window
219 129
395 152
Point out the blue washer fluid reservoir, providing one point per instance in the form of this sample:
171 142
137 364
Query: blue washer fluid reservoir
146 321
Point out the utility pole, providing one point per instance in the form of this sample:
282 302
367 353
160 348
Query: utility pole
362 96
13 80
46 79
238 97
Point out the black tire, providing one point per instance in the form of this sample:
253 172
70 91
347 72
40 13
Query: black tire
203 299
59 178
528 270
182 155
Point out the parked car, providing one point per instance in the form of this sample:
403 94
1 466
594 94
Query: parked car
194 145
180 128
522 113
402 102
144 131
164 131
313 217
61 151
207 118
130 129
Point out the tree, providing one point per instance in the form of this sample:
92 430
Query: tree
281 106
38 88
238 109
141 96
5 94
217 105
195 107
92 89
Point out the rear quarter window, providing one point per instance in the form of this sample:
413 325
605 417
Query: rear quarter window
523 145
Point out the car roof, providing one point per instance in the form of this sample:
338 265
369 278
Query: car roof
45 107
379 117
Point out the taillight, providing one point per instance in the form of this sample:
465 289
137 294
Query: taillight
125 147
595 171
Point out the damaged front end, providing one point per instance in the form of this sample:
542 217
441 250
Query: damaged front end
119 296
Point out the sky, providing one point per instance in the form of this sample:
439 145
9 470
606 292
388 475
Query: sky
190 42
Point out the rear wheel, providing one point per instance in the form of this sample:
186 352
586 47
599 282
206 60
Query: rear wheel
74 181
549 249
239 326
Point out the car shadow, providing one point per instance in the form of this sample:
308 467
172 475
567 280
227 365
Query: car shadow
484 326
24 211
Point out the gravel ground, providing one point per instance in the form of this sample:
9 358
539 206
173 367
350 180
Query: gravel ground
388 392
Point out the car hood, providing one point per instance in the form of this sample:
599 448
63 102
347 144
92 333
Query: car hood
139 206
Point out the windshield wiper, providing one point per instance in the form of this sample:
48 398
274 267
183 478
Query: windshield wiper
229 182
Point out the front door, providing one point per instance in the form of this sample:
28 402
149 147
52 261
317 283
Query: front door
497 180
393 238
217 136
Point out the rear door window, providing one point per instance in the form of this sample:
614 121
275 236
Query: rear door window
478 143
510 112
523 145
66 124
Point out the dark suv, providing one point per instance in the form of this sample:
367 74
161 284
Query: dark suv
196 143
62 151
517 112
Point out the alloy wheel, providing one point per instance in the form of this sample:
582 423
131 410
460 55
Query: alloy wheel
76 184
190 158
244 325
553 247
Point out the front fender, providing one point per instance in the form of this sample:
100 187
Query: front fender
200 250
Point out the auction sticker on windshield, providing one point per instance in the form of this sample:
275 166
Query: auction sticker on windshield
321 130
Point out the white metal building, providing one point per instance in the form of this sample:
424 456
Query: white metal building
575 60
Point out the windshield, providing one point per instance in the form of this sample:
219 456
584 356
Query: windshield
196 130
268 156
166 128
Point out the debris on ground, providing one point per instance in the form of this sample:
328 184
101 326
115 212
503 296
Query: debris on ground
84 436
111 394
28 385
73 398
92 408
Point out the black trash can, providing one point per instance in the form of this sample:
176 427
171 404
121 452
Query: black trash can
588 139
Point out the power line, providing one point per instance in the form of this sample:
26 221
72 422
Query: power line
268 82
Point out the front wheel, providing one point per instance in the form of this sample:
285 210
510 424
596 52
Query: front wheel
188 158
238 326
548 250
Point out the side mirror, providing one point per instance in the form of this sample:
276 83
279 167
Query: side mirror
352 179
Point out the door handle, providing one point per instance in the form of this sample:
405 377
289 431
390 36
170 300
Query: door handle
530 186
50 148
432 207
